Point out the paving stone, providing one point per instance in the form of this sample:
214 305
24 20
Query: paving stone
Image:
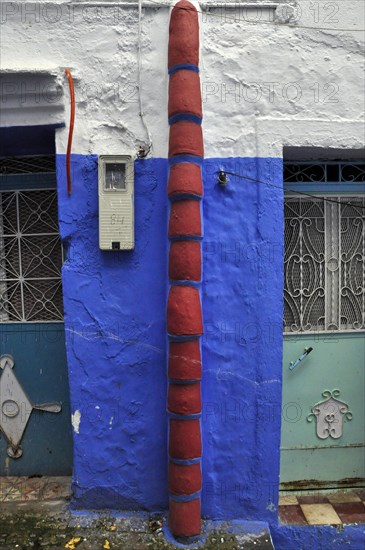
292 515
320 514
350 512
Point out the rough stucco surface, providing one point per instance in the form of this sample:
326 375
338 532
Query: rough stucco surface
99 45
242 304
263 85
318 537
276 85
116 349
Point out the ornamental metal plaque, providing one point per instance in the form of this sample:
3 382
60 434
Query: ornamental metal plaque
16 407
330 415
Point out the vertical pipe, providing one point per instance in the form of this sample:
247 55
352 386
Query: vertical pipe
184 312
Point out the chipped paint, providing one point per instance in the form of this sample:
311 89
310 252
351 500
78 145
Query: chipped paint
75 421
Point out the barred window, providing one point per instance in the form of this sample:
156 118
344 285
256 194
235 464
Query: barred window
324 263
30 256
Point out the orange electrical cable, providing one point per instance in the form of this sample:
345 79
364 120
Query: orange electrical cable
70 132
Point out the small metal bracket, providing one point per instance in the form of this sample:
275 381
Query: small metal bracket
15 407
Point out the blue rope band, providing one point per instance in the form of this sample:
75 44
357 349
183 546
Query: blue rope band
185 116
186 158
186 238
183 338
183 66
175 416
193 284
186 461
185 196
185 498
177 382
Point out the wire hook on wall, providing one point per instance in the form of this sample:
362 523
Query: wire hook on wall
222 178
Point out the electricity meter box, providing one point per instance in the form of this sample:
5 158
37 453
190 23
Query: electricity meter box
116 202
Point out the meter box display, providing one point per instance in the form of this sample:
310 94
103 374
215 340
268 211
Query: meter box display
116 202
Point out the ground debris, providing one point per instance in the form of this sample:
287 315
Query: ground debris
56 528
71 544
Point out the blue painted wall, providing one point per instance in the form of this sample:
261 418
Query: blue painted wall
242 356
116 347
116 342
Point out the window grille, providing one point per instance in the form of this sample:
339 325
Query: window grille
324 264
324 172
40 164
30 257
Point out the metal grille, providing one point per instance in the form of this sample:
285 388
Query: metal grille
28 165
324 172
324 264
30 257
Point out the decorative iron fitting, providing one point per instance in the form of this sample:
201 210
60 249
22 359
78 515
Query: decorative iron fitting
330 415
16 407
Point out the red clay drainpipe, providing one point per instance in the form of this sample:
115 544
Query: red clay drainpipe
184 312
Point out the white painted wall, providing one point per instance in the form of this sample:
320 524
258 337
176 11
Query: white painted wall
266 83
274 84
